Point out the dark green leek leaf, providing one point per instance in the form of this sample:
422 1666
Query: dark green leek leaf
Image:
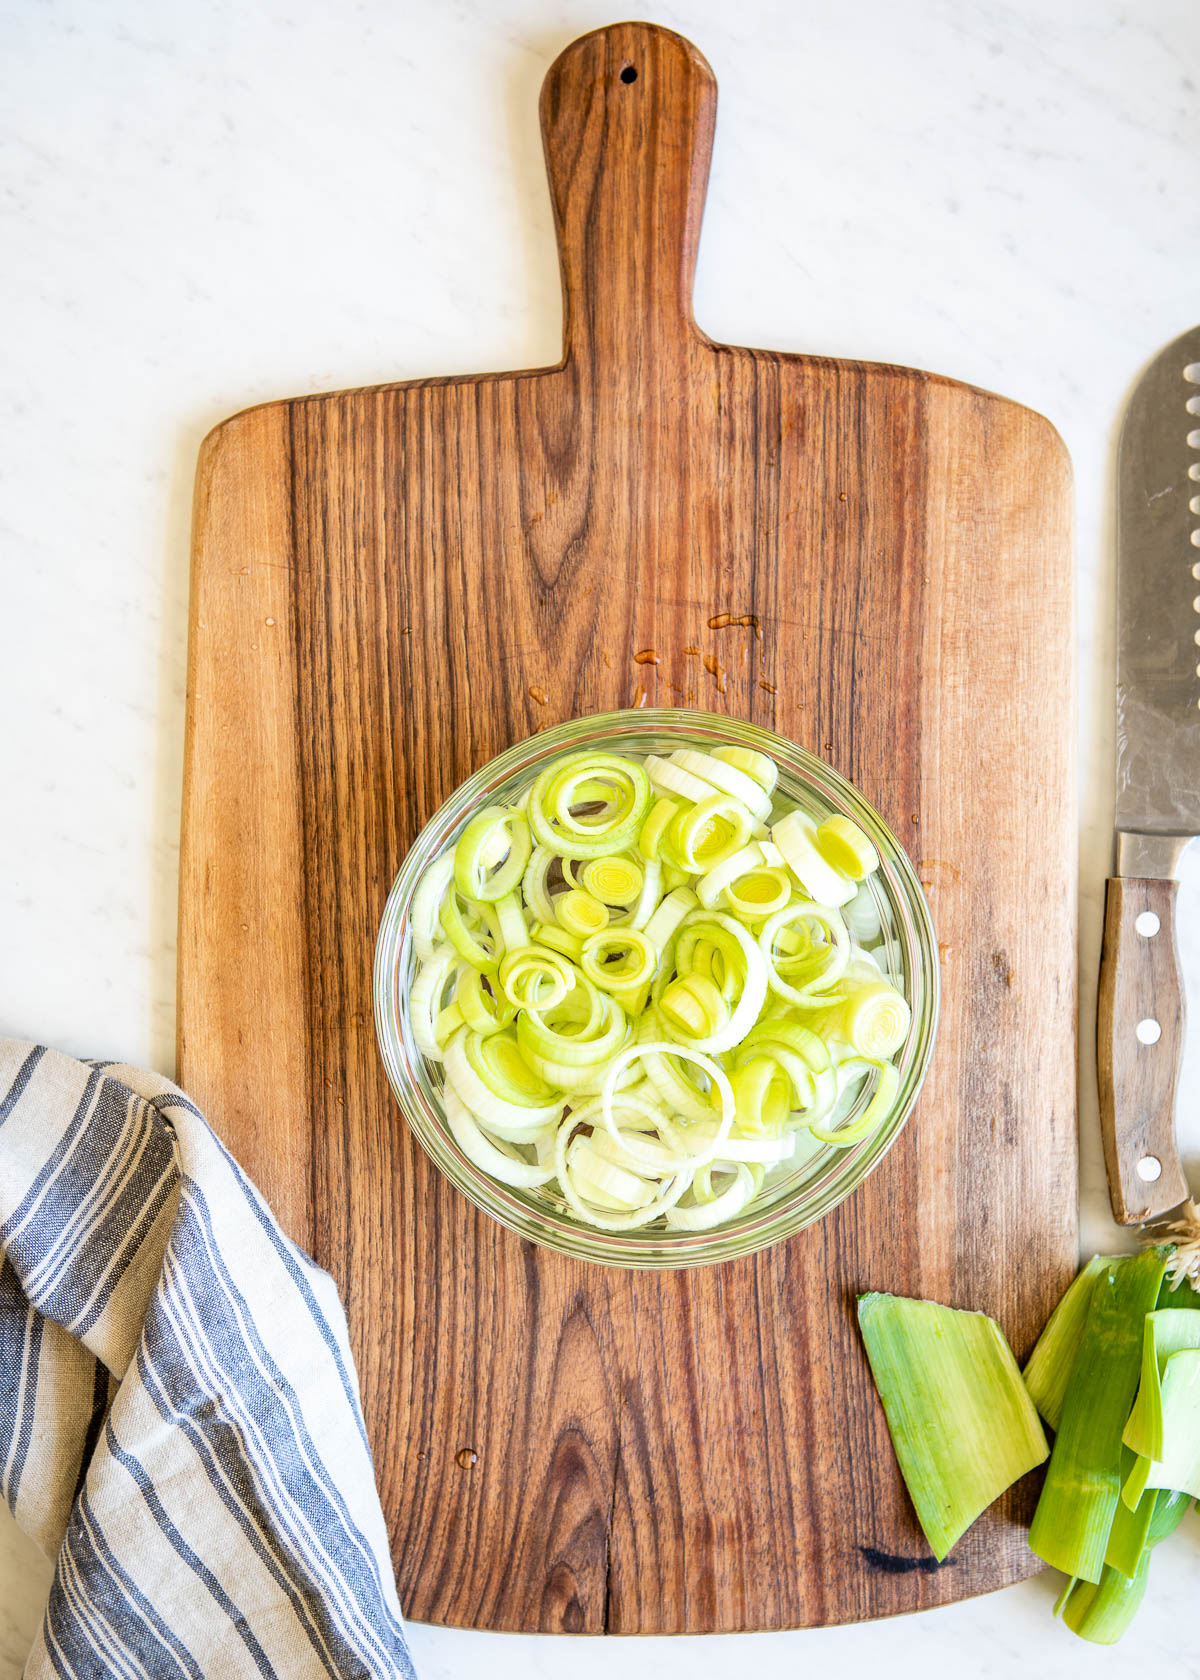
1083 1483
1049 1367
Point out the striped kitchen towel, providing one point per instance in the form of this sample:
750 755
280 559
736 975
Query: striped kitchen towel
179 1415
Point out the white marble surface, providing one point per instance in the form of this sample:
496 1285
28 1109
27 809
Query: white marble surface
206 206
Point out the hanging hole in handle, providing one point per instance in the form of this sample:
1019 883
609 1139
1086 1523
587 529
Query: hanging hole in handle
1148 1031
1149 1168
629 74
1147 924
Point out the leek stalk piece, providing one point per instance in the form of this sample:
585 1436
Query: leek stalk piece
1079 1500
1168 1331
1177 1465
1158 1513
1049 1367
1131 1523
961 1421
1101 1613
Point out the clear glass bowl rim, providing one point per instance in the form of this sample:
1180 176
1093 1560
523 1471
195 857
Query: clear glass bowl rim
756 1228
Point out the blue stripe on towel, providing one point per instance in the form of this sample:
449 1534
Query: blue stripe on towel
27 1406
230 1477
77 1132
187 1554
24 1074
15 1313
331 1512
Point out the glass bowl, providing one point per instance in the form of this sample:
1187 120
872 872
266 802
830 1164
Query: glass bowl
794 1195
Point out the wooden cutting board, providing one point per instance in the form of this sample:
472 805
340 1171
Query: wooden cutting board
390 586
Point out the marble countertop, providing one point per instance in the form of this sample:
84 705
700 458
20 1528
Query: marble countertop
210 206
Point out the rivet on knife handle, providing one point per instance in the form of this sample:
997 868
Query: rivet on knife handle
1139 1047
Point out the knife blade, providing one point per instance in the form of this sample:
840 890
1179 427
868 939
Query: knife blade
1140 1023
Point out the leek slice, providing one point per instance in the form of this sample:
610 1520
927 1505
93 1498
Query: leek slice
534 884
754 982
1048 1370
758 765
710 832
495 829
510 919
579 913
668 918
425 1000
650 1052
648 899
844 1133
521 1103
823 962
710 887
761 1094
484 957
531 978
499 1160
961 1421
1071 1525
562 1035
796 837
558 939
671 781
662 813
480 1008
703 1215
618 959
613 880
427 899
562 804
870 1015
844 845
759 893
693 1004
727 778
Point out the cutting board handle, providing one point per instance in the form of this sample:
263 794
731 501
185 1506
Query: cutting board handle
627 122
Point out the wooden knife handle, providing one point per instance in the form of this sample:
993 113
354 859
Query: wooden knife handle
1139 1045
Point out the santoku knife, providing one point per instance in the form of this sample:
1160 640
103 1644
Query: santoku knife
1141 1015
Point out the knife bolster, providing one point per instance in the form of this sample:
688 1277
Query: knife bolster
1150 856
1139 1045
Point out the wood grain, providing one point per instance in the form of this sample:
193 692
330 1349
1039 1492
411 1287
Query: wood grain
1140 982
386 584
